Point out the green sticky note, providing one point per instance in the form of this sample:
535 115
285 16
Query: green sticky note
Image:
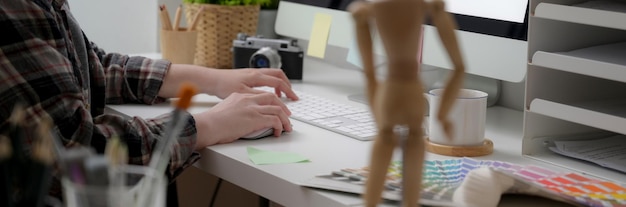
264 157
319 35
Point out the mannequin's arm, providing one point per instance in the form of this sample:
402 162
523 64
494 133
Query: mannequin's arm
361 13
445 27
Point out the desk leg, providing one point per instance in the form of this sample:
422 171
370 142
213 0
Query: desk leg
264 202
172 195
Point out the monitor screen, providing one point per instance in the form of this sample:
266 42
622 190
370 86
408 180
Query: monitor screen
492 33
492 17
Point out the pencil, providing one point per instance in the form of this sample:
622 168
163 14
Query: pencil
160 155
165 18
177 17
195 20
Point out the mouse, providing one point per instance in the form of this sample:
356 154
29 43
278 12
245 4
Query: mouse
258 134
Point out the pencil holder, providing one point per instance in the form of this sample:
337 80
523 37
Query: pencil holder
126 186
179 46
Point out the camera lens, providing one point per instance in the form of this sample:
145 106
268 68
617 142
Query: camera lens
261 62
265 57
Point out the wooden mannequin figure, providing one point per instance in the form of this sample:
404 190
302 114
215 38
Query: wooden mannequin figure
399 100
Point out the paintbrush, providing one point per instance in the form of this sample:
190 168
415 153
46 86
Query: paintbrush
160 154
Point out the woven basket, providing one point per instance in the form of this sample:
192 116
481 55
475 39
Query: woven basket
217 28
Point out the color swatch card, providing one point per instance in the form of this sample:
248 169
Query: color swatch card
441 178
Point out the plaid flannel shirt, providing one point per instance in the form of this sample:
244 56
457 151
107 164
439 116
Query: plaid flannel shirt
49 65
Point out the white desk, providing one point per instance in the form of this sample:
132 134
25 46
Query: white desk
327 150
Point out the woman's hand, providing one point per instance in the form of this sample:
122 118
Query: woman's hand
240 114
225 82
222 83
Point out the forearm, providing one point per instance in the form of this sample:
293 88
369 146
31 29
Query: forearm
179 73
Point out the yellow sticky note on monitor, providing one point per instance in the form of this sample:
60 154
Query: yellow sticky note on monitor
319 35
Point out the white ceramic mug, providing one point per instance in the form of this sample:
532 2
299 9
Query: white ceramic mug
467 116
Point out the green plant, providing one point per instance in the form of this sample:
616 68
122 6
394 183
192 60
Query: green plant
265 4
271 4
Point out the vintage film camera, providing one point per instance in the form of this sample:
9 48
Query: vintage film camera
256 52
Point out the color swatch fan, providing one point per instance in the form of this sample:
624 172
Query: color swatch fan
442 177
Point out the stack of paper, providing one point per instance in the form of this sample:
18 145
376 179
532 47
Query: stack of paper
608 152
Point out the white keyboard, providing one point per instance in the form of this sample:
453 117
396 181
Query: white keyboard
344 119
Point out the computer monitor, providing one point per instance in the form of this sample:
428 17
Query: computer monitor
492 33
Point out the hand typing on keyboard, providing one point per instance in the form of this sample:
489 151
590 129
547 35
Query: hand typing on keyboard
344 119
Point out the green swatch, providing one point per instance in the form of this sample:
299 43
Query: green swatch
264 157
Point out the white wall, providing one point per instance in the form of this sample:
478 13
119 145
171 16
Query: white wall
125 26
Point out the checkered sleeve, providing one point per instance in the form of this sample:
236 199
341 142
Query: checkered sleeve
132 79
141 135
138 80
39 69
